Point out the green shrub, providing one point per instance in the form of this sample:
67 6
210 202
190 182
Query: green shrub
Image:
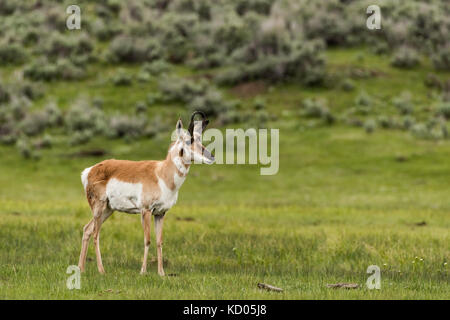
441 58
443 109
180 90
363 99
24 148
211 103
8 134
121 78
64 46
5 96
66 70
32 91
104 30
232 116
434 128
44 142
9 139
157 67
403 103
406 58
208 61
34 123
348 85
123 126
80 137
141 107
143 77
386 122
304 64
408 122
81 116
43 70
420 130
370 126
7 7
259 104
11 54
129 49
317 108
154 97
53 114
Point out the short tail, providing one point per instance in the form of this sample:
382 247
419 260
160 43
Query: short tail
84 177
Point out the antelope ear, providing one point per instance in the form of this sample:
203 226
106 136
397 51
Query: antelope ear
179 127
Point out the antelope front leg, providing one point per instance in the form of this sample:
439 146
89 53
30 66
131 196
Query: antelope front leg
97 226
159 219
87 233
146 220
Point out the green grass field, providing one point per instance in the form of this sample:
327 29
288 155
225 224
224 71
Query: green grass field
341 201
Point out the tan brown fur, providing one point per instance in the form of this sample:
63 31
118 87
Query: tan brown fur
155 198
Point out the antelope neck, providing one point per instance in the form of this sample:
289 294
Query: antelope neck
173 171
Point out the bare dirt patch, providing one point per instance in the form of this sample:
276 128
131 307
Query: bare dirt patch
249 89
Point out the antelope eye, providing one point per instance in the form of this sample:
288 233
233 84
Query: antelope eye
188 142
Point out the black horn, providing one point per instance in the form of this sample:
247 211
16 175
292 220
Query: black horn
191 125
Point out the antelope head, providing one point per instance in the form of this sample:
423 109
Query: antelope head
189 145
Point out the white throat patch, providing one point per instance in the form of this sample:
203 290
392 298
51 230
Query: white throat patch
178 162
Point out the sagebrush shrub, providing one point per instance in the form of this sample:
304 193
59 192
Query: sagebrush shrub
317 108
420 130
141 107
80 137
408 122
212 103
348 85
405 57
44 70
24 148
31 90
45 142
370 125
121 78
305 64
441 58
5 96
53 114
64 46
179 89
130 49
443 109
403 103
12 54
81 116
34 123
156 67
126 126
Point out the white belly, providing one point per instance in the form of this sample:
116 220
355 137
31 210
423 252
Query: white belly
124 196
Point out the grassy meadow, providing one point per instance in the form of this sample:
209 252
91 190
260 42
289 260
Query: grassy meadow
343 199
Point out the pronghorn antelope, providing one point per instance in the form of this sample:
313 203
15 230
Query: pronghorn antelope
145 187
